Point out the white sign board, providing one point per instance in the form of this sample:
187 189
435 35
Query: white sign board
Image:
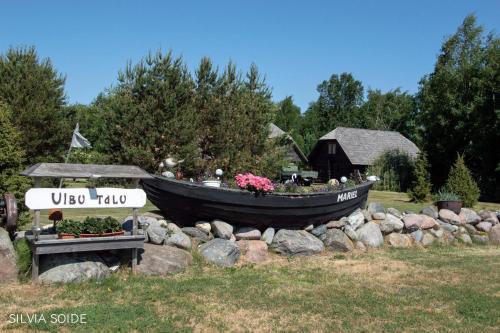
47 198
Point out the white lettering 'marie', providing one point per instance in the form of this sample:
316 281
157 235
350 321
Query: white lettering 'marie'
347 196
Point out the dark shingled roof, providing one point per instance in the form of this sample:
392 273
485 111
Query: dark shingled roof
363 146
275 132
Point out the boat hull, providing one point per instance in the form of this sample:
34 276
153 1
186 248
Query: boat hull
186 203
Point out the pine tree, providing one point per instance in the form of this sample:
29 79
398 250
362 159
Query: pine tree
34 92
460 182
11 158
420 189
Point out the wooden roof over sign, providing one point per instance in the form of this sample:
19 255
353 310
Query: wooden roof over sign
62 170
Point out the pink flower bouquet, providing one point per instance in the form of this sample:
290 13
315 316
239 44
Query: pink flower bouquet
253 183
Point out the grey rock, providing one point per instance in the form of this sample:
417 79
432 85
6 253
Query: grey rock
470 229
378 216
336 224
319 230
156 234
296 243
75 267
247 233
450 217
412 221
143 222
180 240
399 240
356 219
8 268
220 252
447 226
367 215
351 233
390 224
203 226
465 238
172 228
470 216
489 216
428 239
417 235
370 235
162 260
196 233
254 251
484 226
336 240
430 211
395 212
495 235
480 239
438 233
222 229
375 207
268 236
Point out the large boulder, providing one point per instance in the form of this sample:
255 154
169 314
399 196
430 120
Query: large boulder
370 235
399 240
203 226
350 232
196 233
495 235
8 268
469 216
247 233
253 251
412 221
430 211
268 236
427 222
296 243
319 230
222 229
356 219
336 240
447 226
395 212
72 267
390 224
221 252
448 216
162 260
336 224
428 239
484 226
180 240
488 216
375 207
156 234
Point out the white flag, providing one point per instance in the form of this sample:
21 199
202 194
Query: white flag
78 141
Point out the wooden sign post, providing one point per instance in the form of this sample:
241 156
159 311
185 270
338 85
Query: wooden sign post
47 198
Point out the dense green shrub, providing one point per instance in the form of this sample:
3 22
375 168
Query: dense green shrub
460 181
420 189
23 262
394 169
90 225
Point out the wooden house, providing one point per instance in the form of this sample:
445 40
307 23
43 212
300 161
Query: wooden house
343 150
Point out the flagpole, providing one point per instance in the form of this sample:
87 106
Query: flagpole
66 161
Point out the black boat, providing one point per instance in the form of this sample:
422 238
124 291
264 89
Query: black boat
186 202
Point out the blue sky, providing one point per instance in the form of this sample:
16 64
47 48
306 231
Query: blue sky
296 44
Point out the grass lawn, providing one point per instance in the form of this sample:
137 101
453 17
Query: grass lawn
402 202
454 289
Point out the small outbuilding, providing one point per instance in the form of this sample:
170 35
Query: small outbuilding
343 150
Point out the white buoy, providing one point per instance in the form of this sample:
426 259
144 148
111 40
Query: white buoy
343 179
219 172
